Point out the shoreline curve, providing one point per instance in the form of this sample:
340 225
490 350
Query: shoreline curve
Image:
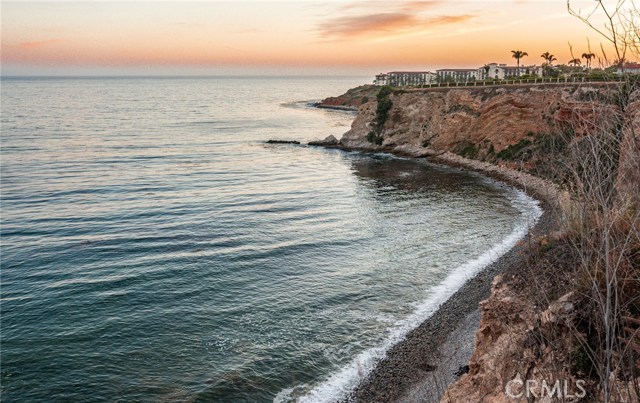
430 357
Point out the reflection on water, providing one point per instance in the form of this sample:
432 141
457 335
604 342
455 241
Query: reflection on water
413 175
154 248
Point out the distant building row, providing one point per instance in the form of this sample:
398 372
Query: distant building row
488 72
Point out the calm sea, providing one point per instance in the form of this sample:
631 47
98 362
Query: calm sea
154 248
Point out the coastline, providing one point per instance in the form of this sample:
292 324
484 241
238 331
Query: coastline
492 322
340 108
433 355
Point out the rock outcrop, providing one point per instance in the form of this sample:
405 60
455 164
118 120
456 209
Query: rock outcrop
352 99
513 346
283 142
478 122
500 131
329 141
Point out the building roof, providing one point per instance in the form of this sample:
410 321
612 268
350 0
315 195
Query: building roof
457 70
409 72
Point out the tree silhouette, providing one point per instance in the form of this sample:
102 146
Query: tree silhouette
486 69
619 63
576 62
548 57
518 54
588 57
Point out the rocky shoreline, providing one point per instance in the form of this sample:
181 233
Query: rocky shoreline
341 108
515 318
434 355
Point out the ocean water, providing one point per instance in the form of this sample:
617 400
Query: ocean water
154 248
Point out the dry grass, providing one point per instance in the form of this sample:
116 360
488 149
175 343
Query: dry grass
596 256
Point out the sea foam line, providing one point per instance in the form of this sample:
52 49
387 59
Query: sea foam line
338 385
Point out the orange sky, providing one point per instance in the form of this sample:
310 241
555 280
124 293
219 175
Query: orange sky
207 37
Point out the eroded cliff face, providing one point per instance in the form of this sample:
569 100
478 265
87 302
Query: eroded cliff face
628 181
519 341
521 337
478 122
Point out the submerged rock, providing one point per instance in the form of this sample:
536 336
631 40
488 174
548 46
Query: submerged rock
329 141
283 142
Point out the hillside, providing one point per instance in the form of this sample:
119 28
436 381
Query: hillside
553 319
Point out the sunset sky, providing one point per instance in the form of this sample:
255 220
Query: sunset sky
291 37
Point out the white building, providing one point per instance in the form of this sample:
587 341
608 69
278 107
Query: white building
491 71
458 75
405 78
381 79
502 71
629 68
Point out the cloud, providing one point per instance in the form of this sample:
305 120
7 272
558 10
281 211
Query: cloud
360 25
384 24
408 6
450 19
416 6
38 44
247 30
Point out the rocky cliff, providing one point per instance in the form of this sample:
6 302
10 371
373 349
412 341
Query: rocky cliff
478 122
534 326
352 98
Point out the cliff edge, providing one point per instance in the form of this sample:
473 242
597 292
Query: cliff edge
538 322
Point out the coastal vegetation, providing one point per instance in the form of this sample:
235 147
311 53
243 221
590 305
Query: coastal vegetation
518 54
580 289
594 259
587 57
575 310
467 149
548 57
600 245
353 98
547 66
383 107
572 311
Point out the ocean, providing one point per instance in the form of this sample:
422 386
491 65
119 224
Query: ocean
154 248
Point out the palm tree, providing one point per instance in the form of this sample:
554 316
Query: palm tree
486 69
588 57
518 54
548 57
575 62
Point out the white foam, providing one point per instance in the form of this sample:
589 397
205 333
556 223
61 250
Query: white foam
338 385
283 396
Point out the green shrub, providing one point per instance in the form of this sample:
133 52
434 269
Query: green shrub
382 114
550 144
374 138
467 149
581 361
515 151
